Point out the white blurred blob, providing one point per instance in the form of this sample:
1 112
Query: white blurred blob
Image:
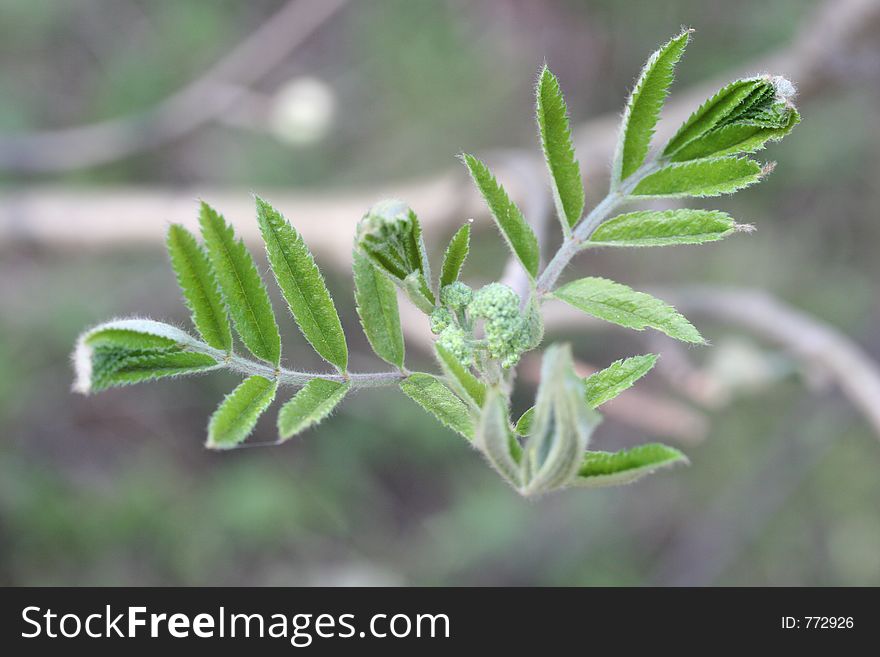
303 111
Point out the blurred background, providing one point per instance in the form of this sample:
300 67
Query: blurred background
116 115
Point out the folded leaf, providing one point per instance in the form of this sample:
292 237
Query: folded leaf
432 394
376 299
718 108
119 367
516 231
619 304
199 287
466 384
303 286
606 384
101 351
708 177
565 172
454 257
237 415
663 228
495 440
735 138
244 291
602 469
643 108
308 407
561 428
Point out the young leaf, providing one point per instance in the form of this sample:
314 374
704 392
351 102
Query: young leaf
606 384
602 469
242 287
643 108
565 173
432 394
524 423
709 177
466 384
619 304
123 338
494 439
516 231
303 286
237 415
735 138
309 406
730 98
199 287
455 254
561 428
663 228
376 299
118 367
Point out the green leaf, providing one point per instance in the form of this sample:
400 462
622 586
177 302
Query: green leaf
606 384
643 108
466 384
376 299
237 415
309 406
119 367
495 440
431 393
602 469
454 257
735 138
708 177
525 421
619 304
303 286
720 107
199 287
102 350
565 173
244 291
516 231
663 228
562 425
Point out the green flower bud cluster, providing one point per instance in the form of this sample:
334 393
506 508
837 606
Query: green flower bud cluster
506 329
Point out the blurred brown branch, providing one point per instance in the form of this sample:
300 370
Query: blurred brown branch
200 102
840 31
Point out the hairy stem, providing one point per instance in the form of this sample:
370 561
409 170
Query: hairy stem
587 226
287 377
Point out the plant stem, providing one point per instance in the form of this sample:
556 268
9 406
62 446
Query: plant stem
583 230
287 377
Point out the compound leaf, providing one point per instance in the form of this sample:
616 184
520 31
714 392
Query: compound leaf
600 469
431 393
619 304
376 298
663 228
565 172
606 384
454 257
244 291
516 231
302 285
466 384
310 406
707 177
198 284
643 108
237 415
